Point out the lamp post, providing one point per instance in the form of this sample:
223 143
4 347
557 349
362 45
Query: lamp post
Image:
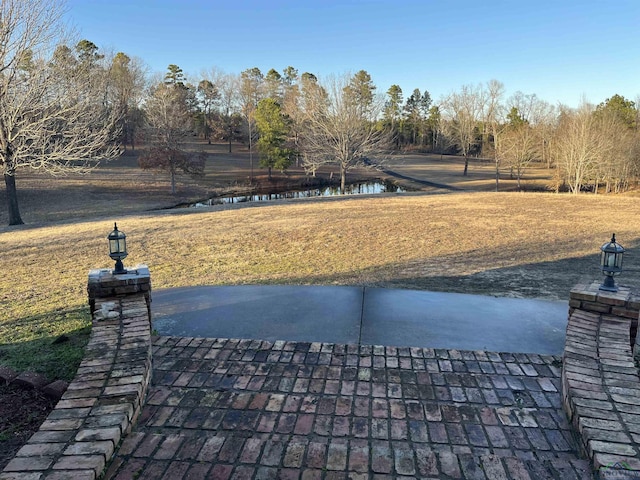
117 249
611 263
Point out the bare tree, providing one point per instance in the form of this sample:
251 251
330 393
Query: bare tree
540 115
437 126
492 120
582 143
168 125
313 98
518 145
209 97
250 92
463 111
338 130
55 115
228 87
227 118
620 163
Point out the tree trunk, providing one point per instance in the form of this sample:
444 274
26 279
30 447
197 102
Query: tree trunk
343 179
250 154
466 164
497 175
12 200
173 182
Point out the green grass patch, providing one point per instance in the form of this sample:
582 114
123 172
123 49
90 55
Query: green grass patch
52 344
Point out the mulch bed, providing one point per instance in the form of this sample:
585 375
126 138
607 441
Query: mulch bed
22 411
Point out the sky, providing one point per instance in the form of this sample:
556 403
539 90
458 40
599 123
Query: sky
563 51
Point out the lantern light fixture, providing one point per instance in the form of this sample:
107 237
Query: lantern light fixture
611 263
117 249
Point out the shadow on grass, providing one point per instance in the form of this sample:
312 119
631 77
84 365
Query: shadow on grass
51 344
550 280
546 280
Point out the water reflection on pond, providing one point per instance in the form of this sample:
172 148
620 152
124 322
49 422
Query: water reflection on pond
330 191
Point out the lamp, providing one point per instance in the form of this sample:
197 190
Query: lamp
611 263
117 249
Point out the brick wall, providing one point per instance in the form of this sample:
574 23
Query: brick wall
600 383
100 406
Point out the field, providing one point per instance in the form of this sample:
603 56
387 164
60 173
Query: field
505 244
120 186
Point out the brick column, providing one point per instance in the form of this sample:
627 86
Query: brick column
102 404
104 284
624 303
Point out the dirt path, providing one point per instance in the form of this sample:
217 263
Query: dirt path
413 180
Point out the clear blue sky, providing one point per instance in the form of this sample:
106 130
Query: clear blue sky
561 50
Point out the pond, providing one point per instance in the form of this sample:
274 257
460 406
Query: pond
361 188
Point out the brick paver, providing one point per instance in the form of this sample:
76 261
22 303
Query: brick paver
249 409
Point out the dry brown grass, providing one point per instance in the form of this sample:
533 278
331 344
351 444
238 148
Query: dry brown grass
120 186
502 244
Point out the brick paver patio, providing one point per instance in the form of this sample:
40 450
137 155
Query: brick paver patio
248 409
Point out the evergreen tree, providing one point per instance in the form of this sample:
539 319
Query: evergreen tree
360 91
273 127
273 85
621 108
174 76
393 105
417 110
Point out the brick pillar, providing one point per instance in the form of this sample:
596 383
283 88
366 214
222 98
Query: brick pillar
104 284
624 303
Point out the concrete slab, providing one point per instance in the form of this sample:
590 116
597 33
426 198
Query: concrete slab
265 312
464 322
375 316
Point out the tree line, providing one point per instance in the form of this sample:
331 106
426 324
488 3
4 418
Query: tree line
67 105
291 117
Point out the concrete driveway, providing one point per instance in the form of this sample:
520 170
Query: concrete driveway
358 315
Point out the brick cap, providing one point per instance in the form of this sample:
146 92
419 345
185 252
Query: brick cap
102 274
